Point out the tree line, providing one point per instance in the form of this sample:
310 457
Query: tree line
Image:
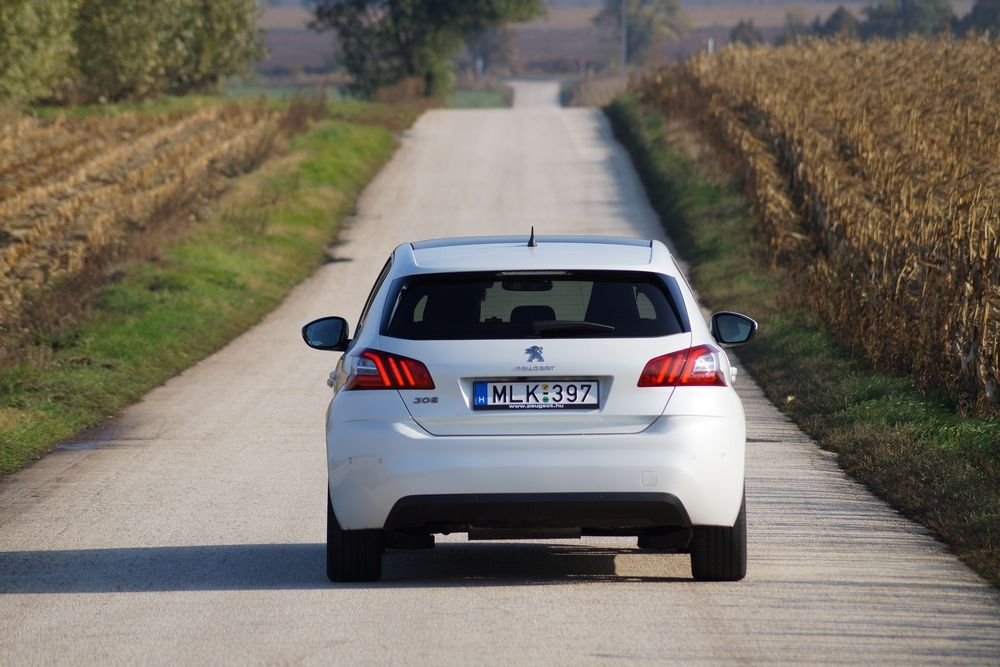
382 43
888 19
111 50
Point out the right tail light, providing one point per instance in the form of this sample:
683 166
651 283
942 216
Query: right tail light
698 366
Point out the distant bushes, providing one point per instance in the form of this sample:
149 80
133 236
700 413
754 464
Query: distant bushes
109 50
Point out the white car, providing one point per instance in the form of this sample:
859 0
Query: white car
514 387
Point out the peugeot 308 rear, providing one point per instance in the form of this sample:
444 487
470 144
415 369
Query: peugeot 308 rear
558 388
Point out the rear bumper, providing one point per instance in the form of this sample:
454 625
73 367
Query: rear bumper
589 512
376 462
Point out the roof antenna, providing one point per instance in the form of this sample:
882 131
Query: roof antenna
531 241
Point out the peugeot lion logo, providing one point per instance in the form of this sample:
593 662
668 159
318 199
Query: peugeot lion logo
534 353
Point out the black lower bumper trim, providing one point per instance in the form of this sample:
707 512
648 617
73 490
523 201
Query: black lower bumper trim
611 512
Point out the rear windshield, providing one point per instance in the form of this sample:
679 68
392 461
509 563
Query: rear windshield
603 304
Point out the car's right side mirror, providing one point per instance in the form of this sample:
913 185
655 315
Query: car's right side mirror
732 329
326 333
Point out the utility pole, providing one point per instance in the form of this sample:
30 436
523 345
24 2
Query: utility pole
624 26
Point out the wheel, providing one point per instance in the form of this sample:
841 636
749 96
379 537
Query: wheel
352 555
719 553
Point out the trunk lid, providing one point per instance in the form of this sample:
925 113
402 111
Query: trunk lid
611 365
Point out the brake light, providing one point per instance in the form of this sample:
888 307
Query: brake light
375 369
698 366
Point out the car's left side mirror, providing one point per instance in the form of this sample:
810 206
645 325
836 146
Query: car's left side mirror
326 333
732 329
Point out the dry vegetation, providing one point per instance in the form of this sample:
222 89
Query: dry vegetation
595 91
76 192
876 170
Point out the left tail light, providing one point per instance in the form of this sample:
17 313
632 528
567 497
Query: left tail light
375 369
698 366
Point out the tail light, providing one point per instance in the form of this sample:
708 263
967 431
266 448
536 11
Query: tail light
375 369
694 367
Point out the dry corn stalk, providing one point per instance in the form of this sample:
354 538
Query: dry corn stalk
875 168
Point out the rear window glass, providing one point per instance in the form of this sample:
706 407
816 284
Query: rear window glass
603 304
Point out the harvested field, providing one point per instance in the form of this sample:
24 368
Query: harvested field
292 51
284 18
76 191
875 169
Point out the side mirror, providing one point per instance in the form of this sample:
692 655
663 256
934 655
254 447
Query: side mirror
326 333
731 329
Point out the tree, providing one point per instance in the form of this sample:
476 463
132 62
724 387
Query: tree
983 19
745 33
219 38
383 42
493 47
795 26
119 47
896 18
649 24
129 49
841 23
36 47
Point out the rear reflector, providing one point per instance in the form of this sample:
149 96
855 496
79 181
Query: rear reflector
375 369
694 367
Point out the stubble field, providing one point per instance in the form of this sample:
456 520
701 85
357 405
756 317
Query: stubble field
74 190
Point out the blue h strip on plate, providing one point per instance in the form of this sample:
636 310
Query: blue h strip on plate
479 394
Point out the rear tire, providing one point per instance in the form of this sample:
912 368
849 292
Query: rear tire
719 553
352 555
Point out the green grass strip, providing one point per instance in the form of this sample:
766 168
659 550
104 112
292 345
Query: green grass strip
164 105
936 467
266 236
487 98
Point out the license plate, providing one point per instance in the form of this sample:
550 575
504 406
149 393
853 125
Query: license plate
539 395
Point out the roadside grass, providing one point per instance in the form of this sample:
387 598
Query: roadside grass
271 97
165 104
249 90
161 316
486 98
912 449
396 117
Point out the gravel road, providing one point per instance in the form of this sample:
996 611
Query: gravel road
190 529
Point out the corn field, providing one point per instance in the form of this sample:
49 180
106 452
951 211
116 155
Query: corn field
76 189
875 169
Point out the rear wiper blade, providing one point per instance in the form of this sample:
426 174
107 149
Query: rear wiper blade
570 326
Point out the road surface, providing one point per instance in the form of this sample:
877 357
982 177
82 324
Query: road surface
190 529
